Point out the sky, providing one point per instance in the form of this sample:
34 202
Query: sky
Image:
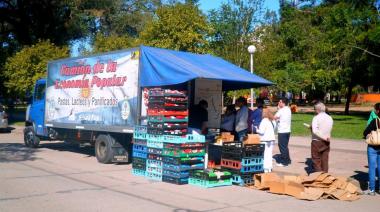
207 5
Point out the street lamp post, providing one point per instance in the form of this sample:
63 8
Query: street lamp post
251 50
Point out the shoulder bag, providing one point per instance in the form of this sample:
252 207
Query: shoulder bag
373 138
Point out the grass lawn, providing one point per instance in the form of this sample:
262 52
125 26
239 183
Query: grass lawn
350 127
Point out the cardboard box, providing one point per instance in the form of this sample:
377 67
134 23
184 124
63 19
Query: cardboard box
252 139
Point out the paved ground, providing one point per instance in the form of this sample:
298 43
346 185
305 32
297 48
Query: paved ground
61 177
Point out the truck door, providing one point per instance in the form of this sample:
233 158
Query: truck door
37 109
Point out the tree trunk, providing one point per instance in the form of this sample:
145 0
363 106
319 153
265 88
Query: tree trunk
348 98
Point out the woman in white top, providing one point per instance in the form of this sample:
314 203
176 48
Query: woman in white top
266 131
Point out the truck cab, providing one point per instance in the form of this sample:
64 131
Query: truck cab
35 128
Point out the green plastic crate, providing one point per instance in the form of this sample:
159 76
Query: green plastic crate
209 184
180 153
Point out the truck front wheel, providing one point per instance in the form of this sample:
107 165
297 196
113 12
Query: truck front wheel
30 137
103 148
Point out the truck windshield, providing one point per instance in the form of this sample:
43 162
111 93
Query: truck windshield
40 92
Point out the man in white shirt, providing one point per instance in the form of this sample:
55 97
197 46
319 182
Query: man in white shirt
241 120
284 118
321 134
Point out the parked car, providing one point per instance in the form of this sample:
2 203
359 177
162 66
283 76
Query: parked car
3 119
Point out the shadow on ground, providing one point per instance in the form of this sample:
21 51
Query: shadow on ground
7 130
309 165
362 178
15 152
70 147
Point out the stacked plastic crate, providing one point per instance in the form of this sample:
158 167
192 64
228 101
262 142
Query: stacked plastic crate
242 161
171 153
139 151
180 156
210 178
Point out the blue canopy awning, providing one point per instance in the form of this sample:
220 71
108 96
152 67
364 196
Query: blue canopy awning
161 67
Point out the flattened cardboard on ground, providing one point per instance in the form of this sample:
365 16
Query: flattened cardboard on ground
312 177
351 188
316 185
277 187
262 180
296 179
294 189
329 180
322 177
311 194
339 183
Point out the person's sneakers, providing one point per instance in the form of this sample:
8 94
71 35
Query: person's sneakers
281 165
267 170
370 192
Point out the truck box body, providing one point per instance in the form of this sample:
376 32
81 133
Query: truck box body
98 93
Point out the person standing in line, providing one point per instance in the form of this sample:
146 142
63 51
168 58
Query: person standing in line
241 120
228 120
321 127
373 114
284 118
373 153
255 116
267 137
198 118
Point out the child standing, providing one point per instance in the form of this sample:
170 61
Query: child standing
267 137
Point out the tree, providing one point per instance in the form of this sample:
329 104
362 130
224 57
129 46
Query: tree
180 27
352 28
233 25
29 64
111 43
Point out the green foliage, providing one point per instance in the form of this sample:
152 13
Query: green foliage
233 25
320 48
111 43
29 64
179 26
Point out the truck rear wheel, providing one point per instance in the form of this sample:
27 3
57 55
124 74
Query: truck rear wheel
30 137
103 148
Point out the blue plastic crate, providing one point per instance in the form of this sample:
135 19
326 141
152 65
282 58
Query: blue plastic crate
252 161
155 170
155 151
139 154
141 129
155 141
182 161
175 174
185 139
174 180
252 169
183 167
154 163
139 148
242 180
138 172
209 184
154 157
153 176
195 138
141 142
140 135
